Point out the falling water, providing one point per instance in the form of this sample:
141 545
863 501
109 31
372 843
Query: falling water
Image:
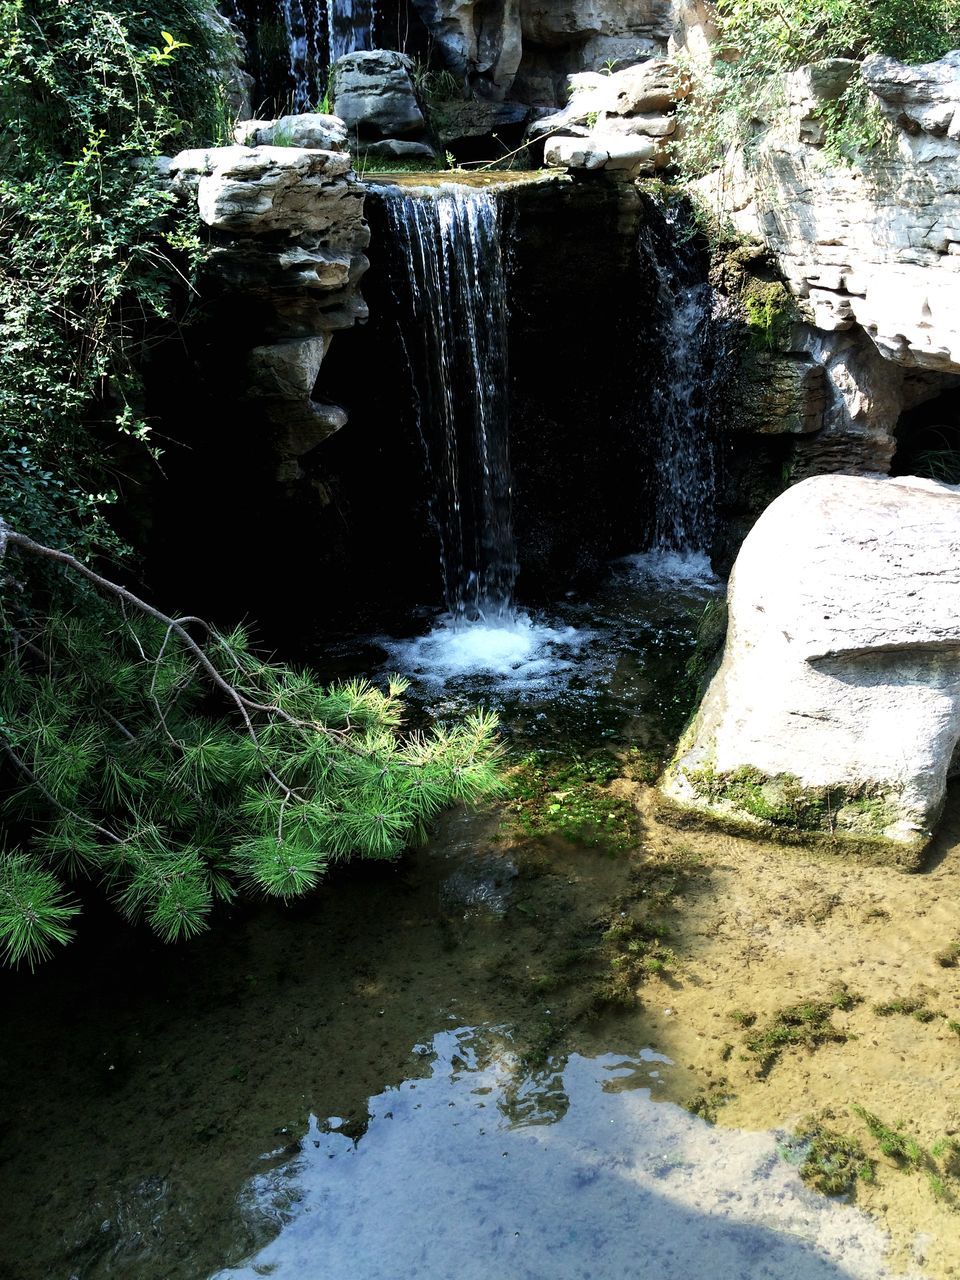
349 27
683 436
315 34
452 287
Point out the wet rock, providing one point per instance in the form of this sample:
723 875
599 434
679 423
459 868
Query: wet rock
374 95
840 680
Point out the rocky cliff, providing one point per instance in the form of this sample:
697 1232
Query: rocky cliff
870 250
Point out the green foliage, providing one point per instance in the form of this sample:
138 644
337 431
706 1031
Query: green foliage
91 251
140 776
762 39
939 1164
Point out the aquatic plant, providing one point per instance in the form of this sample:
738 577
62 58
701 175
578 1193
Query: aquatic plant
568 796
833 1162
807 1025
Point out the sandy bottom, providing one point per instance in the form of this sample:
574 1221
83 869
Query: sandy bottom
765 928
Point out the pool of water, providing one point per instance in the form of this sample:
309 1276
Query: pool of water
375 1082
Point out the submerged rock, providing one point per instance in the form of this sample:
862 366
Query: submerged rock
836 708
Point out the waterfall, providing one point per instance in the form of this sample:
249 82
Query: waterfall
312 35
451 286
681 396
349 27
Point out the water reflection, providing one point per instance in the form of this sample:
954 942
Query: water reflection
484 1169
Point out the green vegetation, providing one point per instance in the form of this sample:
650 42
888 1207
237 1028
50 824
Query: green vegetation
708 1101
910 1006
834 1162
783 800
805 1025
633 941
939 1164
568 796
146 753
760 40
94 252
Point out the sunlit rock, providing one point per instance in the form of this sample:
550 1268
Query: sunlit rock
836 709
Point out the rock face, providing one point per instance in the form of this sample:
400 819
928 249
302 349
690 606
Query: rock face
871 251
527 48
836 708
287 235
621 121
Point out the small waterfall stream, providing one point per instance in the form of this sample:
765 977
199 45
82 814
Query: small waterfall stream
682 400
315 33
451 285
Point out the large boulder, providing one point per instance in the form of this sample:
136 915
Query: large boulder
375 96
835 712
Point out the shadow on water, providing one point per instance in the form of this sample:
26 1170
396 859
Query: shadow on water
357 1088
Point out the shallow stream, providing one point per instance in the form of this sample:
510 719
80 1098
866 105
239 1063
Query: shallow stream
407 1075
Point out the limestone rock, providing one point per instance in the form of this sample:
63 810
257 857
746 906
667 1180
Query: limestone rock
400 149
455 121
624 120
924 98
259 189
527 48
374 95
877 245
780 394
310 130
287 236
836 708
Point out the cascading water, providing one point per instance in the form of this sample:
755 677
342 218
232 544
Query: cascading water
349 27
314 34
452 282
690 365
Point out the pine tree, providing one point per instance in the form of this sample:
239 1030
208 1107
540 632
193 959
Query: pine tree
178 771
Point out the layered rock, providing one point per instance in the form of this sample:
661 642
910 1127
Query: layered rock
526 48
836 709
375 96
287 235
871 251
622 121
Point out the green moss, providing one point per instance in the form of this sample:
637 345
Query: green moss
707 1102
782 800
770 313
633 944
569 797
909 1006
806 1025
834 1162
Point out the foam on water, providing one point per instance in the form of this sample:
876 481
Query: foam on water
517 649
687 568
